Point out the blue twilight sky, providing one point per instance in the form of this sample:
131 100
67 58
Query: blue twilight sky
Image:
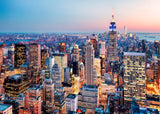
78 15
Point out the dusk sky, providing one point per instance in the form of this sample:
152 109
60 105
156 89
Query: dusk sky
78 15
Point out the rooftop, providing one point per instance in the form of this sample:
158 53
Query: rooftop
133 54
16 76
3 107
72 96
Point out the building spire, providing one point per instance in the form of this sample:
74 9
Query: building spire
112 15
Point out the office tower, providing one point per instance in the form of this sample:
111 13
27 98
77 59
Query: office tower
35 62
48 96
143 46
71 102
20 55
134 75
157 48
75 85
75 59
97 66
16 84
81 74
112 56
88 97
33 100
94 42
102 48
67 74
1 57
61 60
56 76
89 64
103 66
24 70
20 99
59 100
35 55
44 55
75 53
49 62
62 47
5 109
125 29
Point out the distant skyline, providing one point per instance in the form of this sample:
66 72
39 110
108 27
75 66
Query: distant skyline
78 15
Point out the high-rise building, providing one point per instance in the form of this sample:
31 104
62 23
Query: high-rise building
94 42
97 66
44 55
157 48
134 75
56 76
102 48
61 60
19 55
75 59
112 41
89 64
71 102
75 87
67 74
62 47
35 55
1 58
59 100
35 62
75 53
49 62
16 84
88 97
48 96
33 100
81 74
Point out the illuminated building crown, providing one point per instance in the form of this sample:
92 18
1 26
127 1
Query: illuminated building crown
112 26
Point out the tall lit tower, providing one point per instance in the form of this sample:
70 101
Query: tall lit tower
134 75
89 64
48 96
62 47
35 62
20 55
35 55
112 41
75 59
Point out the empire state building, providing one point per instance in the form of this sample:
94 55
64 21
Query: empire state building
112 56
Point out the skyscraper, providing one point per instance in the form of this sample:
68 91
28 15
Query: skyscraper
35 61
75 59
35 55
112 41
20 55
56 76
94 42
102 48
89 64
44 55
61 60
134 75
62 47
33 100
48 96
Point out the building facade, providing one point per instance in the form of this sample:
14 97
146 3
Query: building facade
134 75
19 55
